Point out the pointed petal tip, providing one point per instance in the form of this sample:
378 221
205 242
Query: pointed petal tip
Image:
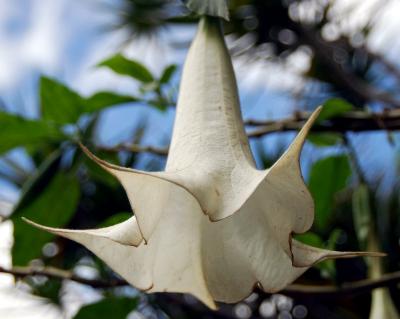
111 168
314 115
126 233
92 156
311 120
296 262
32 223
307 256
373 254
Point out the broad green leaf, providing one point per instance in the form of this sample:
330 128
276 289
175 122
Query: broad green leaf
121 65
311 239
168 73
327 177
39 180
101 100
54 206
16 131
325 139
59 103
333 108
361 213
214 8
115 308
115 219
62 105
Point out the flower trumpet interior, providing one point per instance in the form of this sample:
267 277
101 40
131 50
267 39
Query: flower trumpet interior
211 224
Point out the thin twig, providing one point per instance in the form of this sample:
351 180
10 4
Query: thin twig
345 289
135 148
357 121
21 272
350 288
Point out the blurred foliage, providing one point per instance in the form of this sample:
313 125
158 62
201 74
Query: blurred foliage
65 189
116 308
55 206
328 176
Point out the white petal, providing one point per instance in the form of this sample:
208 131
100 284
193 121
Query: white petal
242 251
171 261
287 185
128 261
209 151
306 256
125 233
148 192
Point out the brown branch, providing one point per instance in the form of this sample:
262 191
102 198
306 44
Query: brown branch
135 148
357 121
350 288
354 287
21 272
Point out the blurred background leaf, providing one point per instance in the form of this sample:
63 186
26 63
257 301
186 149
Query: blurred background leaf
117 308
327 177
55 206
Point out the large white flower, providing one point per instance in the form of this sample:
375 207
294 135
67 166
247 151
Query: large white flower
211 224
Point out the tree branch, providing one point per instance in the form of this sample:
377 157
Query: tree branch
135 148
357 121
345 289
51 272
351 288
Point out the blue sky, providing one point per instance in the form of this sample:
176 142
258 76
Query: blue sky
65 39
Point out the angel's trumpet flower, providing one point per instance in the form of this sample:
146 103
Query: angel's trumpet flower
211 224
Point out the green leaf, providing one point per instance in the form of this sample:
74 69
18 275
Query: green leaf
115 308
168 73
214 8
333 108
115 219
54 206
102 100
328 176
361 214
311 239
325 139
59 103
39 180
121 65
16 131
62 105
